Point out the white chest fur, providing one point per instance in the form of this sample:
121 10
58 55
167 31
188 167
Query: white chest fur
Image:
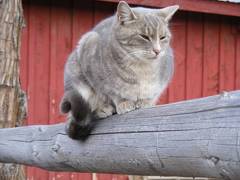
149 85
148 88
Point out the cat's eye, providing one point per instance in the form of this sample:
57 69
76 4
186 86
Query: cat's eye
162 37
144 37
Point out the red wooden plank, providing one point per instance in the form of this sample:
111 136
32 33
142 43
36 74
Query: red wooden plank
211 55
59 175
119 177
104 177
39 25
206 6
194 64
82 19
102 11
38 86
61 46
163 99
238 58
177 86
81 176
111 177
227 56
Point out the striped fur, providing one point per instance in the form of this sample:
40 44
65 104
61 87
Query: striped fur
124 63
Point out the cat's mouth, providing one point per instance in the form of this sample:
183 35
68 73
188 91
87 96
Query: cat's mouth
154 56
146 56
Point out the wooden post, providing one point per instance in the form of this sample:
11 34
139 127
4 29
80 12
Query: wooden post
196 138
12 109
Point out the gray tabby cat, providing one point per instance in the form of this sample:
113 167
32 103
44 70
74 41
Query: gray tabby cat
123 64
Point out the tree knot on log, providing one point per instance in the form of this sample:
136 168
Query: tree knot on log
56 147
214 159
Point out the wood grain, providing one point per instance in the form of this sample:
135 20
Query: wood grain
190 138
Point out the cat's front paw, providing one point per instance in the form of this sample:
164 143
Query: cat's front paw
125 106
105 111
144 103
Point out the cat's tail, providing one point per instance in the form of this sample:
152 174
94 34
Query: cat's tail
80 118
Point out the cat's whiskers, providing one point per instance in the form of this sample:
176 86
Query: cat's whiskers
135 54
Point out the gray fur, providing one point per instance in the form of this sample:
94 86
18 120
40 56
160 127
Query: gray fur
115 67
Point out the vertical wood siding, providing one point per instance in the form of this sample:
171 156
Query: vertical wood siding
206 48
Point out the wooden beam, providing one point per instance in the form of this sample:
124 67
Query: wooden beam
204 6
191 138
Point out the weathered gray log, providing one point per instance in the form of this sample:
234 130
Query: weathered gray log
191 138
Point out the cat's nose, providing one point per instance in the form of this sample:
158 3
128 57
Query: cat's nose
156 51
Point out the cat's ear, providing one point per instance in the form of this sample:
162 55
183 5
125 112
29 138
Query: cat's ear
168 12
125 13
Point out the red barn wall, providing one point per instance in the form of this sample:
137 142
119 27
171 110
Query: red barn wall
206 48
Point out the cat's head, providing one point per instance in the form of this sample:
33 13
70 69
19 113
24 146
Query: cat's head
143 32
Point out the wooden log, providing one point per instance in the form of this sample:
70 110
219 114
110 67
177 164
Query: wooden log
196 138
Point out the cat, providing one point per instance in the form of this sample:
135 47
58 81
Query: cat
124 63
